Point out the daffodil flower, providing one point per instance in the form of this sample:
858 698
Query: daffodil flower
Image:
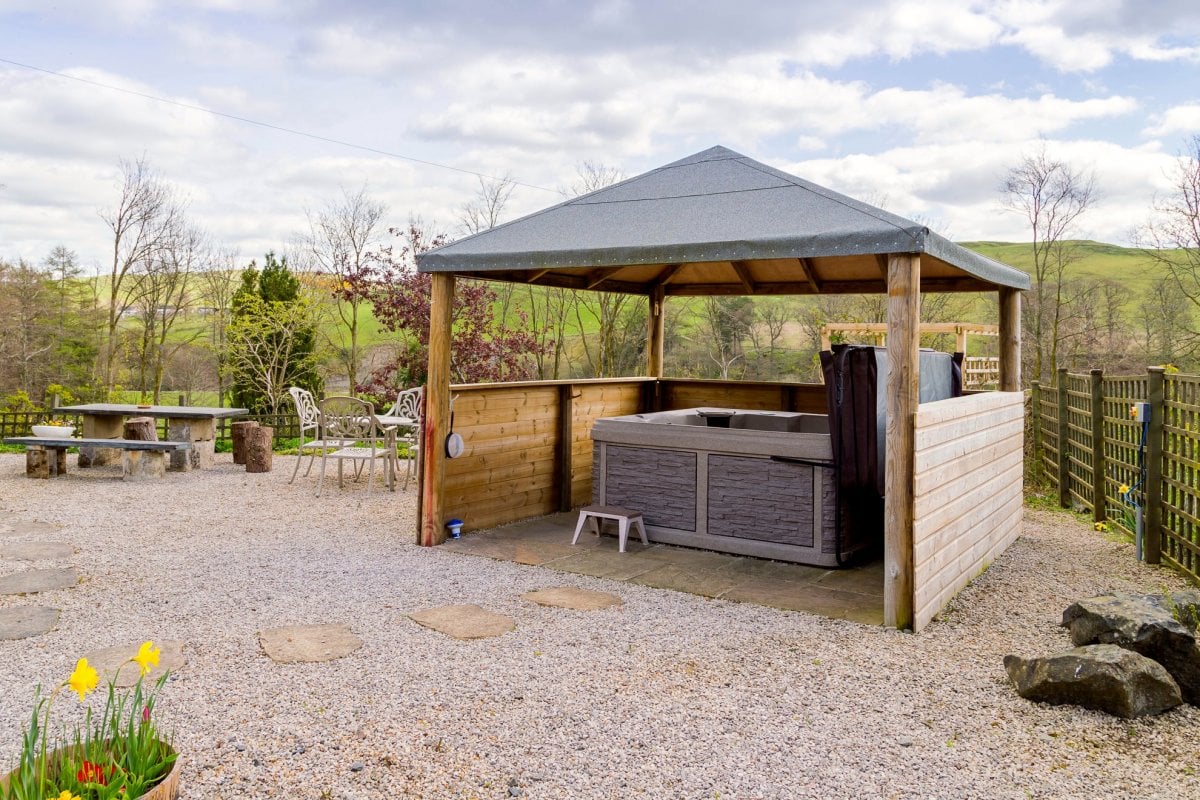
83 679
65 795
147 657
1123 488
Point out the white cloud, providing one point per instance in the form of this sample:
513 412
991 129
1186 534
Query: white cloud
1184 119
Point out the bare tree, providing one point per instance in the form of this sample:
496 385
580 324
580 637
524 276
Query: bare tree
486 209
218 280
337 243
1052 195
144 220
27 332
1168 324
1172 235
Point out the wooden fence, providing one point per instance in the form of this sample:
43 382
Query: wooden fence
1089 445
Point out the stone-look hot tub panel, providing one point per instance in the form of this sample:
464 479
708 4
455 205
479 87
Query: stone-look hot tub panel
756 487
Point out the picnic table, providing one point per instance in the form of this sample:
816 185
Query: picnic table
195 425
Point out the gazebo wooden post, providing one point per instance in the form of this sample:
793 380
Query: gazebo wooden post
656 333
903 394
1010 340
437 412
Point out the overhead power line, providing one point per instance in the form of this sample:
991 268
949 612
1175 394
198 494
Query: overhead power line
271 126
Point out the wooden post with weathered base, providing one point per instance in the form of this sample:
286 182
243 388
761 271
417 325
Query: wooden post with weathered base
903 393
437 413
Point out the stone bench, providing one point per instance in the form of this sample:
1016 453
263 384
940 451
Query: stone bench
46 457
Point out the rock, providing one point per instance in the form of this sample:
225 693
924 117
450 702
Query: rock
304 643
1144 624
1185 607
25 621
113 662
573 598
32 581
37 551
464 621
1105 677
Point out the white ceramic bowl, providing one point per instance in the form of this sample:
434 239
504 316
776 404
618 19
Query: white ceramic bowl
54 431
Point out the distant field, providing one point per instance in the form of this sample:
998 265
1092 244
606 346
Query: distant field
1132 267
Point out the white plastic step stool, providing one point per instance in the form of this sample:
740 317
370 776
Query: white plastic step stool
590 516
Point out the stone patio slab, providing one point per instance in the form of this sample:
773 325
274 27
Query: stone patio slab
25 621
573 598
704 582
109 660
37 551
32 581
464 621
297 644
811 598
605 564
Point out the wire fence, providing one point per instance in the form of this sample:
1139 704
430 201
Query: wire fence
20 423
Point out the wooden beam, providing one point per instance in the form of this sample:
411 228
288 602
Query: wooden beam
656 332
1010 340
743 272
882 262
809 275
903 392
564 473
598 276
668 272
437 412
533 276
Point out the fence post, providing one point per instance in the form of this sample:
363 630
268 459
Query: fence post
1152 524
1035 416
1099 501
1064 432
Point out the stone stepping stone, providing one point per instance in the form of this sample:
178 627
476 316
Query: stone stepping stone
295 644
24 527
26 621
32 581
111 659
571 597
37 551
464 622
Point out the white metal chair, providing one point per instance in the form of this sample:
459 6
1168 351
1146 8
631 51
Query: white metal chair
351 423
410 404
310 424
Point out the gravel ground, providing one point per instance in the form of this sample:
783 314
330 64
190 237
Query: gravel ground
669 696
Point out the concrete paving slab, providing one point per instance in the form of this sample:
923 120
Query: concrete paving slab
811 598
32 581
37 551
25 621
114 662
294 644
464 621
573 598
748 568
863 581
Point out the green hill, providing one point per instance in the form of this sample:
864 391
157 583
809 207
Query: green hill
1130 266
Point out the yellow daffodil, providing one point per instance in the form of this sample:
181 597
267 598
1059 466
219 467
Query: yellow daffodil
1101 526
147 657
83 679
65 795
1123 488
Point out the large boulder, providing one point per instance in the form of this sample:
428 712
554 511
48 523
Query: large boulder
1145 624
1105 677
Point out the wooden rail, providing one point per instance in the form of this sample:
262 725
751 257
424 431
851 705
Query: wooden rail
1087 443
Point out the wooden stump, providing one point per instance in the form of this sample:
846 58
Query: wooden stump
238 432
258 448
141 429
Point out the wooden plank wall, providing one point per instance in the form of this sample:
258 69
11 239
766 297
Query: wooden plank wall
513 432
686 393
968 492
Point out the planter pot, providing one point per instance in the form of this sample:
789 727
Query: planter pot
54 431
166 789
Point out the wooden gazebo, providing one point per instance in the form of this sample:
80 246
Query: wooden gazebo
719 223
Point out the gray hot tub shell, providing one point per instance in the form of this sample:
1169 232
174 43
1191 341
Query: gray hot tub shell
761 486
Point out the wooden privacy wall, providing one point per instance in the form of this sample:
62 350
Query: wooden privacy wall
968 471
686 393
527 448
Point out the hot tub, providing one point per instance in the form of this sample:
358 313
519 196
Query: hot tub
758 483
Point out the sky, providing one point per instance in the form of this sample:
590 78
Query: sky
920 107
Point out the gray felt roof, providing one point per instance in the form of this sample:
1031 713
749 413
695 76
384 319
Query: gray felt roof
716 222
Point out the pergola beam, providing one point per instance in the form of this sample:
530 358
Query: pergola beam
1010 340
437 412
810 276
743 272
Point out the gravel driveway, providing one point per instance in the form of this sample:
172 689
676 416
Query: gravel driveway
668 696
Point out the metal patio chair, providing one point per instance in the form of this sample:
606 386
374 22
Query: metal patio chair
361 440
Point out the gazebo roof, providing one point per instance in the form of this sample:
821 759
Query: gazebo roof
716 222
